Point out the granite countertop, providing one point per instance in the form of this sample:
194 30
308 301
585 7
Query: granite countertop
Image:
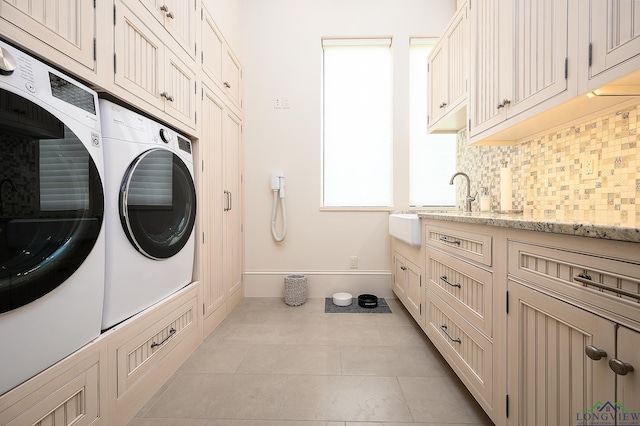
620 227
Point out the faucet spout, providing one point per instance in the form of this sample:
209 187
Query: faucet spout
469 198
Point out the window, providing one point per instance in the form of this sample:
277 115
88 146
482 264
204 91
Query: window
432 157
357 127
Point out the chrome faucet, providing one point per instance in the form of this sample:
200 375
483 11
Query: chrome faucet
469 199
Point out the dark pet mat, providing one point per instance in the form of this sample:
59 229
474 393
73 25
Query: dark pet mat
354 308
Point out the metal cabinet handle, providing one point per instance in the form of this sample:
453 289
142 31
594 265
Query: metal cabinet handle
166 96
164 8
585 278
442 105
595 353
448 241
171 333
619 367
444 278
227 85
443 327
404 268
228 195
506 102
170 15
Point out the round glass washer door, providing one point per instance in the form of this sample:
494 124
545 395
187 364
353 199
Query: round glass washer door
158 204
51 202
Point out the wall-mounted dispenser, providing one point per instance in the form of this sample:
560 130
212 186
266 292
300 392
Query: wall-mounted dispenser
277 186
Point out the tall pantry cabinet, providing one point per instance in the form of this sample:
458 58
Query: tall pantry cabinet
221 166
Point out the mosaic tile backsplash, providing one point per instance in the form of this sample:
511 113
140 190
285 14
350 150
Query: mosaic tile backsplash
550 174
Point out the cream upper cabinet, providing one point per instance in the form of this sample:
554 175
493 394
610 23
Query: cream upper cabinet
520 61
178 17
611 35
151 71
448 77
218 61
64 31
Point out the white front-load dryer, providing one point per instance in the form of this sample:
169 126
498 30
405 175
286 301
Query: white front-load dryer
51 216
150 206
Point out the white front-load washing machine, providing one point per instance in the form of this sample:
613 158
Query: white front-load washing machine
52 254
150 205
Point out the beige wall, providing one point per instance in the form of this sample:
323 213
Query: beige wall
282 57
548 177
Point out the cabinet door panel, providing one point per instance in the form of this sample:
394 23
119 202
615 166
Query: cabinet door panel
66 25
437 81
551 380
212 48
180 85
399 276
457 59
180 22
232 240
628 386
414 291
615 33
139 58
486 67
540 46
212 202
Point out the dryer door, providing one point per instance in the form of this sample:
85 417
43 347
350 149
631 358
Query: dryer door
51 201
158 203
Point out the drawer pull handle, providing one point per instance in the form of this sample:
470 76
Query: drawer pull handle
443 327
166 96
619 367
227 85
444 278
584 278
404 268
172 331
595 353
448 241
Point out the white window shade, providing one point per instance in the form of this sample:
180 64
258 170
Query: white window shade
357 123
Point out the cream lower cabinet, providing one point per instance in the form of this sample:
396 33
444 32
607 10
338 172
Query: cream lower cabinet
222 225
407 280
459 298
562 361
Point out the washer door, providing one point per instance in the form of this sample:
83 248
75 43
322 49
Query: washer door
51 202
158 204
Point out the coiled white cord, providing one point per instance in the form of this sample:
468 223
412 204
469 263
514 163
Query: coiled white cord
274 213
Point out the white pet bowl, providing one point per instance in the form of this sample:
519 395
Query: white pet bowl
342 299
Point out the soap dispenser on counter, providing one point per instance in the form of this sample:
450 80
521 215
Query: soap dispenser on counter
485 200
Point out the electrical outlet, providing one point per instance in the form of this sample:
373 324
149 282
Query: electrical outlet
277 102
590 166
353 262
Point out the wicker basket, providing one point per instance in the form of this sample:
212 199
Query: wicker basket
295 290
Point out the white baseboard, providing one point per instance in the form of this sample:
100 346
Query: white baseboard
320 283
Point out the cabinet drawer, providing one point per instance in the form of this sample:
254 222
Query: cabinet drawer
600 284
468 351
68 393
469 245
136 356
467 288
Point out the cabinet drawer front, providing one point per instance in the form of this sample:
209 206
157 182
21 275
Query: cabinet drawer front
467 288
468 351
60 396
603 285
472 246
141 353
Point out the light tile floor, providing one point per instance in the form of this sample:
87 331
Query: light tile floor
270 364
